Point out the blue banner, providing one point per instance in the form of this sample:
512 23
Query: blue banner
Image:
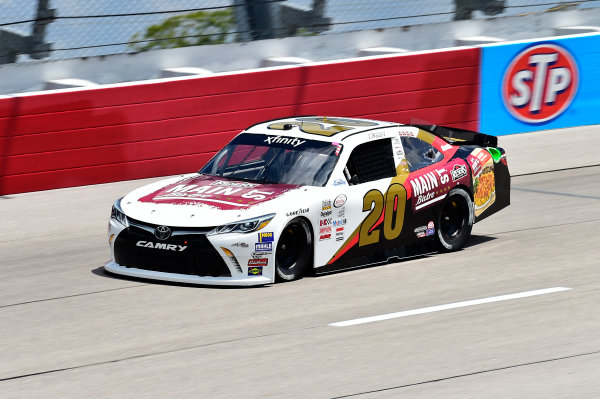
547 84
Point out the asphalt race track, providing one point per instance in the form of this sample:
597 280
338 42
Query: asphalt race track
516 314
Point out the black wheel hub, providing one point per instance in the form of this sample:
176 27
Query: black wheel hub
452 219
291 246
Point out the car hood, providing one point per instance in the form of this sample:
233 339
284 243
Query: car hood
201 200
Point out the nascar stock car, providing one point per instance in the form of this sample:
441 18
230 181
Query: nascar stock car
310 194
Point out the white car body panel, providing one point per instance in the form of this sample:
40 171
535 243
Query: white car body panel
335 211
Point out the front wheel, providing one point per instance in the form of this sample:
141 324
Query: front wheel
455 220
294 250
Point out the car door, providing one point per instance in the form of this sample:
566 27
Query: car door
376 204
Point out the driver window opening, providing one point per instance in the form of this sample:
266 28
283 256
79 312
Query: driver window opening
370 161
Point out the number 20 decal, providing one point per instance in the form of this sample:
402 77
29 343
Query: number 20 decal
393 219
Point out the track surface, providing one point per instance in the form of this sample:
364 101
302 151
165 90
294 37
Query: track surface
69 330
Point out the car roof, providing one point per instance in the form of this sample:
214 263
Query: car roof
323 128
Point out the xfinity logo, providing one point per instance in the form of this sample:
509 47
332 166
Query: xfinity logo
295 142
158 245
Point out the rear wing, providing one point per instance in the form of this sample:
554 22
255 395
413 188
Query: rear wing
458 136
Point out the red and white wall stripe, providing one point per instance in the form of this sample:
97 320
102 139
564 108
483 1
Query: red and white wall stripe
162 127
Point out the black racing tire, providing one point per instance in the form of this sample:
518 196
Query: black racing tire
455 221
294 250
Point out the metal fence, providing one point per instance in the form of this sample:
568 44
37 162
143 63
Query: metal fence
59 29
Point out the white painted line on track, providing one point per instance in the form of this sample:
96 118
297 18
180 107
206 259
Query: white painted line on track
455 305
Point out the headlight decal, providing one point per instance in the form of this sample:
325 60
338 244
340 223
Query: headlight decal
118 214
244 226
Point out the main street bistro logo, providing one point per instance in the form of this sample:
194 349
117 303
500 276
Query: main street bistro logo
540 83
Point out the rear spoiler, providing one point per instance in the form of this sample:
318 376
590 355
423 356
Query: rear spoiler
457 136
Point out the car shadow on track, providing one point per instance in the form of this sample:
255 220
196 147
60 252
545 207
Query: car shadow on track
477 239
101 272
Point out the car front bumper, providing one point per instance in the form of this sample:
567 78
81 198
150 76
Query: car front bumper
114 267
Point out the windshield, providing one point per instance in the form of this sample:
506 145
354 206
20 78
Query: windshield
275 159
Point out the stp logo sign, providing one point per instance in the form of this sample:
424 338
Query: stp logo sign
540 83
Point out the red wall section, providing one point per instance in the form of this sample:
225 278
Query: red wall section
53 140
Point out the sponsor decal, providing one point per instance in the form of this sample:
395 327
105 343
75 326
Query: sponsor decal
324 230
376 135
226 183
255 271
160 245
260 254
339 236
263 246
325 222
324 214
194 191
293 141
430 188
341 212
340 200
540 83
339 222
265 237
254 262
458 172
420 229
484 190
325 205
339 182
424 231
297 212
484 182
338 229
324 237
408 132
426 188
425 197
477 159
223 195
240 244
475 165
424 183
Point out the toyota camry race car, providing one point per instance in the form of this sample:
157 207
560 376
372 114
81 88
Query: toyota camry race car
310 194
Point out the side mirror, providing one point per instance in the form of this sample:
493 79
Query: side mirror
354 180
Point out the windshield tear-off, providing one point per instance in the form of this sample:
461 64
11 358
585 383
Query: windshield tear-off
275 159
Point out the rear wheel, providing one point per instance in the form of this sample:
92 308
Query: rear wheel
294 250
455 220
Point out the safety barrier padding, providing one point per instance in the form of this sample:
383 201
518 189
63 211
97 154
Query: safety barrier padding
163 127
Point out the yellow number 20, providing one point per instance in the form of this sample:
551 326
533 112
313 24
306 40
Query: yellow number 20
393 218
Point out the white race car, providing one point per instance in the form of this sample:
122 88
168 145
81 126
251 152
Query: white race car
310 194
